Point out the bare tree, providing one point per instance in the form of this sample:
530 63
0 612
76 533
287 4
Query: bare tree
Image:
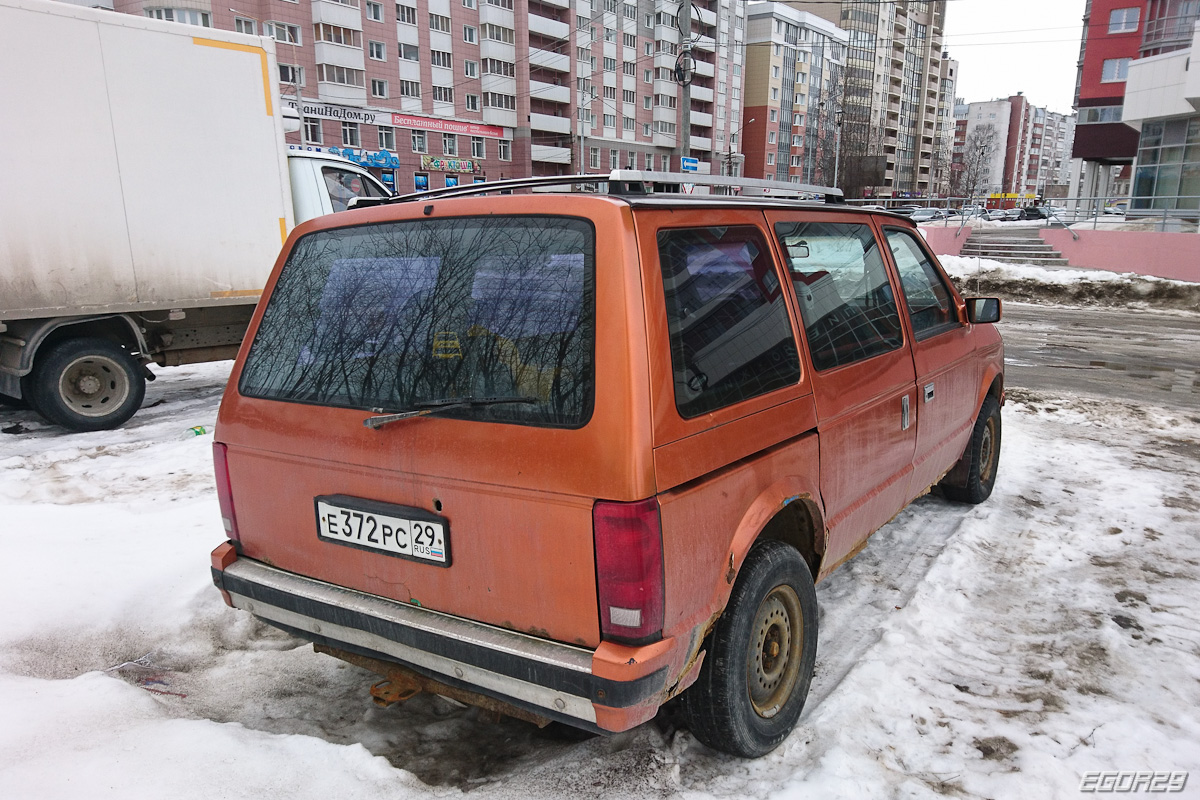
971 168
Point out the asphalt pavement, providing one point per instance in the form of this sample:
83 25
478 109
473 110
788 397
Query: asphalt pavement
1122 354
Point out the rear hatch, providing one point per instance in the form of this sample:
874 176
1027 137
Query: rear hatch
478 331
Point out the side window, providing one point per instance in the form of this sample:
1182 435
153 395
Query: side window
842 288
929 302
343 185
730 334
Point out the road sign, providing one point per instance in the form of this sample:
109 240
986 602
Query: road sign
689 164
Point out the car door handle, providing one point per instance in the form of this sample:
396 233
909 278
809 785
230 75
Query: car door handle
928 392
905 420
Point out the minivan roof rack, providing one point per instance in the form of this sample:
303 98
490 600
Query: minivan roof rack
627 182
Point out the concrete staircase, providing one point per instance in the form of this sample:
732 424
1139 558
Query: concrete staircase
1012 245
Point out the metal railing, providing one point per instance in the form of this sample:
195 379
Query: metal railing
1169 213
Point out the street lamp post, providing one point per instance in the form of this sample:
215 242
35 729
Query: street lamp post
729 154
837 145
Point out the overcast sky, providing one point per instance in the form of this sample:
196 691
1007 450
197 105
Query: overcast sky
1009 46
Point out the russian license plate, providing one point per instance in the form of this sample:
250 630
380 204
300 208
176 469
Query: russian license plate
397 530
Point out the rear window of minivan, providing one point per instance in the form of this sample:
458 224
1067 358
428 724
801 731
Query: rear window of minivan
388 316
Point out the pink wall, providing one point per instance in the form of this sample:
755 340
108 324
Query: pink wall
1163 255
942 240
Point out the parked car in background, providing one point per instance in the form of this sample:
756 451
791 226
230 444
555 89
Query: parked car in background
927 214
570 456
1118 207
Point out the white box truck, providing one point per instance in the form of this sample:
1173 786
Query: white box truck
145 192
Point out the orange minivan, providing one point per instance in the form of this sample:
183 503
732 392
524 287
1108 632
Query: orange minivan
570 455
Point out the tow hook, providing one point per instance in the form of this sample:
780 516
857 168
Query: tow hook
394 690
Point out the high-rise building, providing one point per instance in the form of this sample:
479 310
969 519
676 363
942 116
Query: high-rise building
794 65
892 92
1010 146
435 92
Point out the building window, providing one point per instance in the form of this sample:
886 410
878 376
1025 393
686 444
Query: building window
471 102
350 136
503 147
593 158
497 33
374 11
187 16
628 96
650 162
337 35
443 94
410 88
610 34
387 138
647 101
610 64
770 159
471 69
375 51
449 144
1123 20
646 133
439 23
494 66
1114 70
469 4
282 32
647 76
628 123
497 100
629 39
774 115
330 73
477 147
665 161
470 34
406 14
379 88
610 93
243 25
440 58
613 157
291 73
312 130
419 145
629 68
610 120
410 52
501 4
771 137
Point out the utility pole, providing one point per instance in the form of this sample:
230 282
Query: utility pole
684 69
837 145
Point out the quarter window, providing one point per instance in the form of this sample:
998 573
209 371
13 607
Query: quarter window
842 289
731 338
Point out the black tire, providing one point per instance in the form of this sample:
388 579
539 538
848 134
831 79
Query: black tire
86 384
981 461
760 657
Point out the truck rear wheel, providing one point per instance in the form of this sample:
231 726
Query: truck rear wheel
87 384
761 654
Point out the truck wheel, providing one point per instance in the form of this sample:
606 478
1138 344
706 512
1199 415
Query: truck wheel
761 653
87 385
982 457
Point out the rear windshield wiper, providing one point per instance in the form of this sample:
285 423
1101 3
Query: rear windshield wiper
426 407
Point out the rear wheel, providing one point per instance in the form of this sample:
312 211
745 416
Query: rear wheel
981 461
761 653
86 384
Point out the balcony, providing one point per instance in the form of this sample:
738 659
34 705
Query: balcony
707 44
548 27
701 120
701 143
550 155
340 55
546 122
555 93
338 93
705 16
500 116
705 69
559 62
664 140
498 50
702 94
558 3
495 15
337 14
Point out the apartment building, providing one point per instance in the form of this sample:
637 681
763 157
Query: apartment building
892 91
1011 147
794 85
431 93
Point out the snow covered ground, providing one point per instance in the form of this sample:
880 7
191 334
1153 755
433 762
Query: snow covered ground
998 651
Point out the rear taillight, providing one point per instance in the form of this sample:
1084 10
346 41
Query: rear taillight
224 489
629 570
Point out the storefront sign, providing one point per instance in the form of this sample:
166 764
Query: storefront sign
447 164
329 111
450 126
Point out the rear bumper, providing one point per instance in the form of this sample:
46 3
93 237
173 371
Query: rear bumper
548 678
